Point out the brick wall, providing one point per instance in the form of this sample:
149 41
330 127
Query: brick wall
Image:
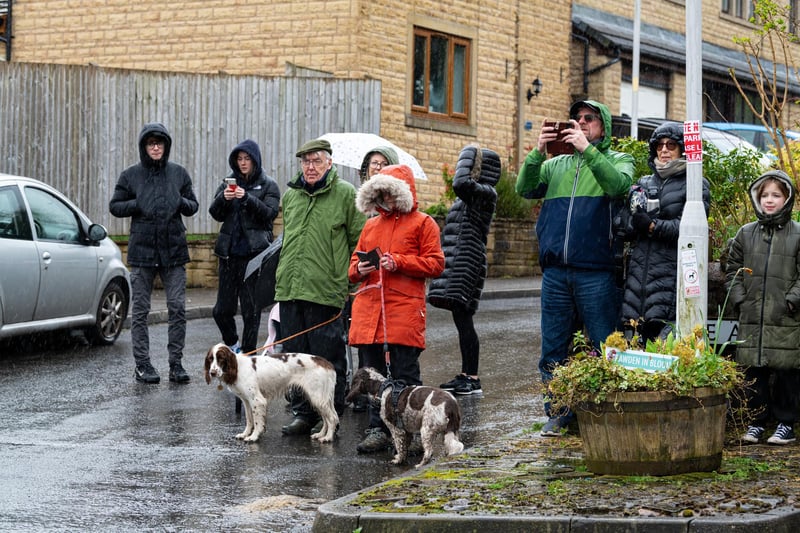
512 252
343 38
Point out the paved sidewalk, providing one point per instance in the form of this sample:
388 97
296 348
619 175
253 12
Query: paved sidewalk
534 462
200 302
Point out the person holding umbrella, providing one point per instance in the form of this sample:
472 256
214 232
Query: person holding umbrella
375 160
389 307
246 203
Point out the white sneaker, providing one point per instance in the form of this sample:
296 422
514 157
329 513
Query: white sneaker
753 435
783 435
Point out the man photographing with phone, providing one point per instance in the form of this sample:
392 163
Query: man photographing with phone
575 236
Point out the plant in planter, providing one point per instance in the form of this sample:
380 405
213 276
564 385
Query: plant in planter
639 422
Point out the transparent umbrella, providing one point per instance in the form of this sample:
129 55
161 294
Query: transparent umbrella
349 150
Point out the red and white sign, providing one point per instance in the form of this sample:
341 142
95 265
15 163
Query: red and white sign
692 141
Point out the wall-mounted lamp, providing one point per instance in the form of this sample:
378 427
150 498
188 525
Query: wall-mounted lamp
537 88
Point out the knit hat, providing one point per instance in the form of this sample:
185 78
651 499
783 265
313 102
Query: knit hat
316 145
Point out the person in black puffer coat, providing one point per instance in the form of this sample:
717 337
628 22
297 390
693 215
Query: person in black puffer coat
464 236
247 211
156 193
650 298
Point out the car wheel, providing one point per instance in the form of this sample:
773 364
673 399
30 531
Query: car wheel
111 313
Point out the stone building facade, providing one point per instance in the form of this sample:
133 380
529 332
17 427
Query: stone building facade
511 44
575 49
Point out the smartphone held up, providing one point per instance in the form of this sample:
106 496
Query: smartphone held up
558 146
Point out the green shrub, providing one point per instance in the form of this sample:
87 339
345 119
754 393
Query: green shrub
729 177
640 152
509 203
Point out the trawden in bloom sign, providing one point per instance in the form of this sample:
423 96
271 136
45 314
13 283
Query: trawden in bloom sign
649 362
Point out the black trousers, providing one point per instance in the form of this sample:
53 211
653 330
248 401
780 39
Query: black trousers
404 363
234 291
327 341
775 394
468 341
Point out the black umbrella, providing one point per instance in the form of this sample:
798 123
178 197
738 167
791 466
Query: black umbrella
260 273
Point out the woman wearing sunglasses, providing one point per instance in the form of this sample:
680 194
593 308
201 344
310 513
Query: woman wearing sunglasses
649 302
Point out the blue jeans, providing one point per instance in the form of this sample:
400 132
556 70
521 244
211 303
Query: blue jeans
573 299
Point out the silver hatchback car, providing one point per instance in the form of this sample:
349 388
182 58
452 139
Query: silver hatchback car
58 270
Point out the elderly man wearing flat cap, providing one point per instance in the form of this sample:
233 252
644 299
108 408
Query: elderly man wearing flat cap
321 227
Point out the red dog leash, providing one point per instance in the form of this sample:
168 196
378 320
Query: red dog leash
290 337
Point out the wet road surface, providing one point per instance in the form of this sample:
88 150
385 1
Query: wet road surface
86 448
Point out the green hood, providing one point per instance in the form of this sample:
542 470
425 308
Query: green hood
604 143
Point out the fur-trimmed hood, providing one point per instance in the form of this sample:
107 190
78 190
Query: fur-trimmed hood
396 181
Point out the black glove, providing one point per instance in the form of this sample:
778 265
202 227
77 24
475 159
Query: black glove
641 223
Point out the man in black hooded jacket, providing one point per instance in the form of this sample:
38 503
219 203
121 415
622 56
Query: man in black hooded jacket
155 193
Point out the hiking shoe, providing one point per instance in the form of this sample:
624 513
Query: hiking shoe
555 426
177 374
468 386
753 435
146 374
375 441
783 435
298 426
453 383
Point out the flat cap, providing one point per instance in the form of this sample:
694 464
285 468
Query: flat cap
314 146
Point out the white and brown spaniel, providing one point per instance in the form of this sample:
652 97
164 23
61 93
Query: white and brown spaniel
431 411
256 380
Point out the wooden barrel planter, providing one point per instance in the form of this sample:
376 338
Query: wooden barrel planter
654 433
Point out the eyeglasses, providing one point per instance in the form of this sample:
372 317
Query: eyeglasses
671 145
312 162
587 117
152 143
378 164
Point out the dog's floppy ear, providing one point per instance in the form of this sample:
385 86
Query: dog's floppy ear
209 358
226 360
358 385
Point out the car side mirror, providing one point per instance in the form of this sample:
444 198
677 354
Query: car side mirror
97 233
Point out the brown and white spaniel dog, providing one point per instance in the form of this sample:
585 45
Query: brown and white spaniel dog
431 411
256 380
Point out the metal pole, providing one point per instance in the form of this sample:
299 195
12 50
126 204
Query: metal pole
637 18
520 114
692 297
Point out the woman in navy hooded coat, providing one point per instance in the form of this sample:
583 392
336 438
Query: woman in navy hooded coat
247 211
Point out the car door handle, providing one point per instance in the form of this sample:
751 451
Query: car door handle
46 258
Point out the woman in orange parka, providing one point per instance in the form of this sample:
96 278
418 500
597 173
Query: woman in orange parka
410 252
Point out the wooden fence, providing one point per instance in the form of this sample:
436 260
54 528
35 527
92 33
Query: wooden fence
76 127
